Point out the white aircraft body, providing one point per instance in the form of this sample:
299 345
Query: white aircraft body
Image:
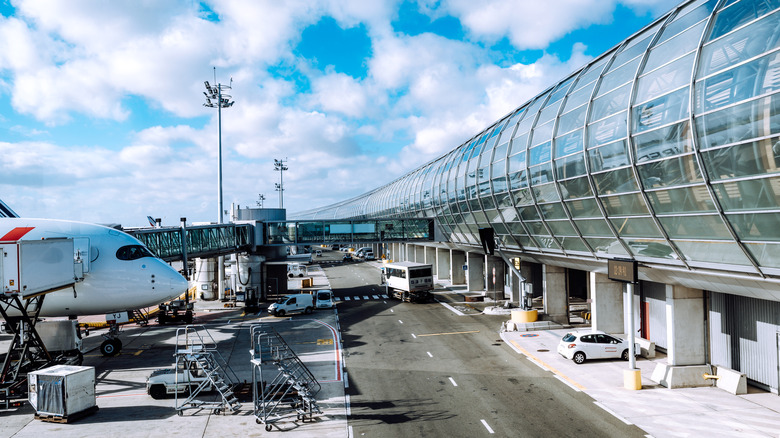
120 273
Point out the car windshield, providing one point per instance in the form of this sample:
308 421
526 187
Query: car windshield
323 296
281 300
569 337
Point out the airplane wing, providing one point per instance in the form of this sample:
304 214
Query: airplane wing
5 211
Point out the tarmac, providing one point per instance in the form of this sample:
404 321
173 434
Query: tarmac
125 408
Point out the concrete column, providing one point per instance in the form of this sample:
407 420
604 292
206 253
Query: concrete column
458 259
556 297
606 303
430 257
419 254
475 275
494 277
443 263
685 326
514 288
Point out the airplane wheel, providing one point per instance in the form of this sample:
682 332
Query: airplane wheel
110 347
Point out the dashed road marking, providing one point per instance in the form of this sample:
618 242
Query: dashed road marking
450 333
400 321
484 423
429 354
453 382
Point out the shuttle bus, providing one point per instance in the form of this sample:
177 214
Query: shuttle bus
409 281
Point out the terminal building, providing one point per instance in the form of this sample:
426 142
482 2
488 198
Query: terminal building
664 150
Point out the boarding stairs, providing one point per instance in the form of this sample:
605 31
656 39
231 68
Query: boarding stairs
196 351
280 378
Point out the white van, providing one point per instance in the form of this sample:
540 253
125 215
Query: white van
291 304
324 299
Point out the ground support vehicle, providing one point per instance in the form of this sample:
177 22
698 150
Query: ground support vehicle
175 311
296 303
409 281
282 384
579 346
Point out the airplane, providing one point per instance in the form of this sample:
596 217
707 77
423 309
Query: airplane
120 273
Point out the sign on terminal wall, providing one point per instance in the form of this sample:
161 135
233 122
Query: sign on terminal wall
622 270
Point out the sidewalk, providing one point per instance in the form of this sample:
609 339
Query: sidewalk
661 412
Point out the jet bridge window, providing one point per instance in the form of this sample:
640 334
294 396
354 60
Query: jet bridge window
133 252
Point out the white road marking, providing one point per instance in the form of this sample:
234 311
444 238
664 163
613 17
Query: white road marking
349 408
453 382
346 298
376 297
429 354
349 433
484 423
400 321
392 310
613 413
346 380
384 296
356 298
563 380
457 312
337 298
365 297
414 336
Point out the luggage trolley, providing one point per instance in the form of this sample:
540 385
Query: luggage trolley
279 379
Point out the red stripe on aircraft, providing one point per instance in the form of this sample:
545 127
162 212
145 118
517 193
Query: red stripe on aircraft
16 234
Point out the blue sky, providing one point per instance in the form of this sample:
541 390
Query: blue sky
101 104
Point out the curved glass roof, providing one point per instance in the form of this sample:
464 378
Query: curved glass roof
665 149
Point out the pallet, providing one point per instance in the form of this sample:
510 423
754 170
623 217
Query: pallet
51 418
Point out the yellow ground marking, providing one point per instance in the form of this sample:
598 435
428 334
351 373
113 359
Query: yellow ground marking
138 352
451 333
546 365
324 341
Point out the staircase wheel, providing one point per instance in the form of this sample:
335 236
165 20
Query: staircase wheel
268 427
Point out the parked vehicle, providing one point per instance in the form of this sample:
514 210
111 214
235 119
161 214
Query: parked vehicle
296 303
347 257
369 256
164 381
296 270
579 346
318 253
324 299
409 281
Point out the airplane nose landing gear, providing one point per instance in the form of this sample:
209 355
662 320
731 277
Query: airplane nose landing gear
112 345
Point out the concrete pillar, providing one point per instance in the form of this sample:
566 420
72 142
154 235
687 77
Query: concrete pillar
458 259
685 326
514 288
556 297
494 277
443 263
430 257
419 254
606 303
475 275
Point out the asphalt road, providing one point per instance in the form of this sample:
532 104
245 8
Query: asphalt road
423 370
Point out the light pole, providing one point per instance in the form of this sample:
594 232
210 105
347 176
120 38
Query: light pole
220 100
260 199
281 167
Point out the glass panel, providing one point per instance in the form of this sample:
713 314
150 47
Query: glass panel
546 193
615 181
674 48
571 166
666 78
757 194
517 162
573 244
636 227
499 153
760 76
670 172
536 228
541 174
749 120
523 197
756 226
695 227
579 97
575 188
747 159
572 120
739 14
661 111
568 144
665 142
594 227
548 113
625 205
519 144
636 47
649 248
713 252
619 76
553 211
681 200
608 245
610 103
608 130
739 46
542 133
561 228
561 90
584 208
765 254
685 21
503 200
530 214
609 156
589 77
540 154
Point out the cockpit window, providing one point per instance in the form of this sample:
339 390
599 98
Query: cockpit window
133 252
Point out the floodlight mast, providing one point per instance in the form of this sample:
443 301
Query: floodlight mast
281 167
221 100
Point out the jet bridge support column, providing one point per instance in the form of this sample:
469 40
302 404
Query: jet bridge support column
443 263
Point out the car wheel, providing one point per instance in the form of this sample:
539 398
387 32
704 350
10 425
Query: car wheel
279 313
157 392
578 358
624 356
308 310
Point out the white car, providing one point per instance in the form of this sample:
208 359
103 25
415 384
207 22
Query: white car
324 299
579 346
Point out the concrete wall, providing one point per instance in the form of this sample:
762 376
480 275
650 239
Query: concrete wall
606 303
443 263
556 299
458 259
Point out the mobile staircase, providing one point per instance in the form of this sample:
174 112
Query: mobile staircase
197 352
279 379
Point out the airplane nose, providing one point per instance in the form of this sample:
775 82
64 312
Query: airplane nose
179 285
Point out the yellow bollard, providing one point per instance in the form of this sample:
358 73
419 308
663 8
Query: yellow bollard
632 379
524 316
